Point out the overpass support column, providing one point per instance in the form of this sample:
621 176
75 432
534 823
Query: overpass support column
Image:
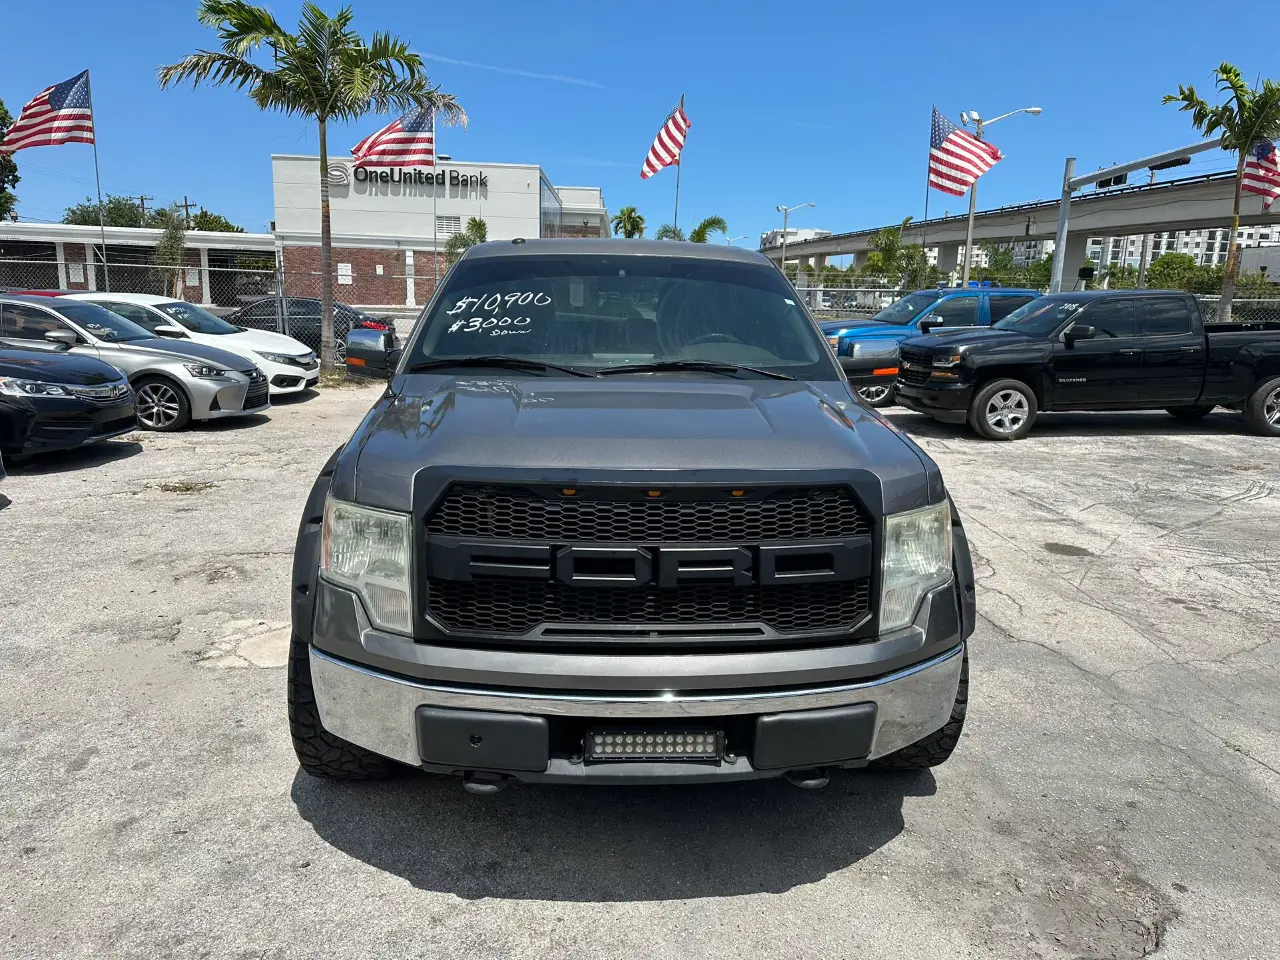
1073 259
860 259
948 257
820 261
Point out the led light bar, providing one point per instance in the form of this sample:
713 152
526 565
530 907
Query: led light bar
653 745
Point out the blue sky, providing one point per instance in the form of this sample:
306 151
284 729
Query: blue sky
817 102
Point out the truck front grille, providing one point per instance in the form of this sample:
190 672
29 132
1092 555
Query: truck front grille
540 605
518 606
917 366
505 513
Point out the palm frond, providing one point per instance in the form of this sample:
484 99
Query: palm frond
707 226
669 231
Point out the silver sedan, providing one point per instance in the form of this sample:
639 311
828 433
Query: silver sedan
175 382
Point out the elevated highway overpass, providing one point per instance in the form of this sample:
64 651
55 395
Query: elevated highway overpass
1190 203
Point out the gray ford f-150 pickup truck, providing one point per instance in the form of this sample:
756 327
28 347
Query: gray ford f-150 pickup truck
619 518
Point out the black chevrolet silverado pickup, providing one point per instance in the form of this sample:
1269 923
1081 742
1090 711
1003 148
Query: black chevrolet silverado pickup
619 518
1100 350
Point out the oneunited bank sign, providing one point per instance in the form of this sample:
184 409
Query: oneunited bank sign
417 175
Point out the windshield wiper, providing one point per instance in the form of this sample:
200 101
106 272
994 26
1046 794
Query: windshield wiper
511 363
710 366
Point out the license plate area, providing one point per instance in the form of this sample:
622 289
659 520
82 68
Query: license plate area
613 744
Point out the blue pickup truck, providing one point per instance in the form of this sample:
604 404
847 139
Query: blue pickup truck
868 349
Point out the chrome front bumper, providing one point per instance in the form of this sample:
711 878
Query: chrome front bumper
377 711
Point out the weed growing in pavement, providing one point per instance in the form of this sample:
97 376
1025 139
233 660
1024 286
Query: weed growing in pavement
184 486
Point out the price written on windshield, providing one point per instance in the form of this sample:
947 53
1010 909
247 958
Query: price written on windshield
490 323
493 302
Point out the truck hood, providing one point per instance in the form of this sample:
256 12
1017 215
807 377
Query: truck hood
867 328
968 337
430 429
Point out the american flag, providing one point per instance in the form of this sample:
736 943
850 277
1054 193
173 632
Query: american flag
956 158
60 114
409 141
667 144
1262 172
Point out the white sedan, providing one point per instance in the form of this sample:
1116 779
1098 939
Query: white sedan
290 366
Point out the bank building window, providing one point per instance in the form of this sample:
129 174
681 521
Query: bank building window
448 225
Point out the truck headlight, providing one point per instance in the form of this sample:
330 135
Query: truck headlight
917 558
948 361
368 551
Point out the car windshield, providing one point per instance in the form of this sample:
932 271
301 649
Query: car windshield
1039 318
905 310
590 312
101 322
197 318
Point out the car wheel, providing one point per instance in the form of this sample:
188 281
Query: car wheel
1189 413
935 749
876 396
1262 412
340 352
161 404
1003 410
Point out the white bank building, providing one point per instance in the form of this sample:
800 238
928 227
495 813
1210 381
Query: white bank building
390 225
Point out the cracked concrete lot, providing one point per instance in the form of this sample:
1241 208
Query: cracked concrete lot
1116 793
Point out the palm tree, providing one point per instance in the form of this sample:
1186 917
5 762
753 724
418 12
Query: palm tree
326 71
1250 116
669 231
887 258
628 222
476 231
702 232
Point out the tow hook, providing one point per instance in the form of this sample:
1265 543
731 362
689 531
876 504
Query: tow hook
809 779
484 783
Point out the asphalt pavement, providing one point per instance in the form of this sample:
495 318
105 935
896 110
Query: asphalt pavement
1116 793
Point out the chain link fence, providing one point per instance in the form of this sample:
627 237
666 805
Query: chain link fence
227 287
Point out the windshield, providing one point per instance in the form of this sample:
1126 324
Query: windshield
1039 318
591 312
907 309
101 322
197 318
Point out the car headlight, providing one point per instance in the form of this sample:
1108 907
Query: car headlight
368 551
917 558
281 358
205 371
31 388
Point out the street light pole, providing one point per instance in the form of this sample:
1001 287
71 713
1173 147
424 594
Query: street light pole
786 212
729 240
435 228
973 190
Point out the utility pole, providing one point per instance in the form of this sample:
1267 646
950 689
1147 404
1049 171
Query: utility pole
142 205
186 211
1146 240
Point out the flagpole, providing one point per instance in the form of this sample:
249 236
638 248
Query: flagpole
675 220
924 241
102 222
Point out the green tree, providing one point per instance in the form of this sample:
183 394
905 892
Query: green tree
1248 116
171 248
918 272
1039 274
204 220
476 231
8 171
628 222
707 226
116 212
1119 276
886 257
669 231
1171 271
325 72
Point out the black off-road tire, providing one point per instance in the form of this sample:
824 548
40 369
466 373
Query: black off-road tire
1189 413
977 410
1255 411
320 753
934 749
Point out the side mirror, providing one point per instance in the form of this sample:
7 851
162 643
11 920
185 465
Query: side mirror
66 338
1079 332
169 330
928 324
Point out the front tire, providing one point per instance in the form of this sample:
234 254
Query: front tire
877 397
319 752
935 749
1262 412
161 404
1003 410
